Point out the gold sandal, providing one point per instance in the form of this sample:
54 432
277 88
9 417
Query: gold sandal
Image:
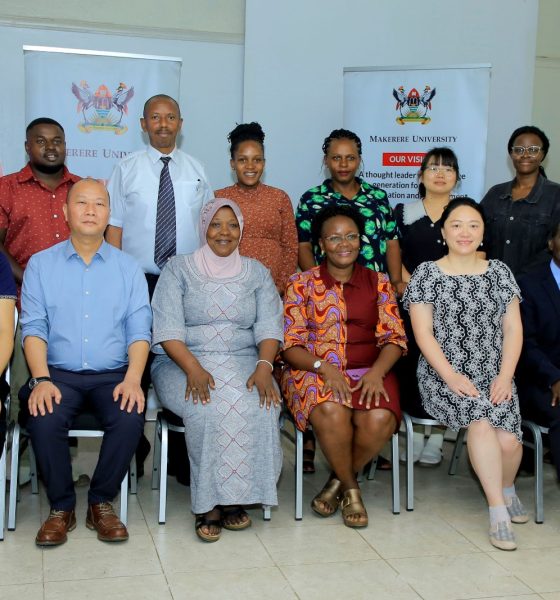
352 505
329 496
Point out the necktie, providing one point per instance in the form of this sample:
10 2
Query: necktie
166 228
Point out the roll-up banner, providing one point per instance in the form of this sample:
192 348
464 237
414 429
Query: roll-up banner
98 98
402 112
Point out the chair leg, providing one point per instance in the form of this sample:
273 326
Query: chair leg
409 462
3 488
266 512
124 497
372 469
538 458
133 477
157 454
457 450
299 475
163 471
14 469
395 474
33 469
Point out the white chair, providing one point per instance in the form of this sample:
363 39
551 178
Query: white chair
85 425
537 446
409 423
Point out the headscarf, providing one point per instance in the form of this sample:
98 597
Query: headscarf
212 265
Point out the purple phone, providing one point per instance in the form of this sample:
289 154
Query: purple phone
356 374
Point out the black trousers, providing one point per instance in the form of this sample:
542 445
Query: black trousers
535 403
49 435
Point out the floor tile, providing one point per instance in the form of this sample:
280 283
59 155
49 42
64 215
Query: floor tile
315 545
239 584
539 568
458 577
147 587
356 580
91 559
27 591
20 560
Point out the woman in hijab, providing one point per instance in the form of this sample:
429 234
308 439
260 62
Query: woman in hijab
217 328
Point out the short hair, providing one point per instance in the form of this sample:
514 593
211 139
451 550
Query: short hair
88 179
43 121
341 134
245 132
529 129
444 156
335 210
462 201
160 97
554 230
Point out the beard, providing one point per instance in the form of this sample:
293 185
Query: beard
48 169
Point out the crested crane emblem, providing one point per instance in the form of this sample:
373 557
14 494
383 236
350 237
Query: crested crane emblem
102 110
414 107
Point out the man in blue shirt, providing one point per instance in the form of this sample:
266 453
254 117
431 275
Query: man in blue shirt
86 324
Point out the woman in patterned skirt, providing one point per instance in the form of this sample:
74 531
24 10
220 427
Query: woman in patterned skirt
217 328
466 321
342 336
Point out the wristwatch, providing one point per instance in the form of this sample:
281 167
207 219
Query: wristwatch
317 365
35 381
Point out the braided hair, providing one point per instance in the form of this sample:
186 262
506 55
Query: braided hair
245 132
342 134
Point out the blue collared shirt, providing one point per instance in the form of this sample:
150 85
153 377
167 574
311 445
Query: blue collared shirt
87 314
555 272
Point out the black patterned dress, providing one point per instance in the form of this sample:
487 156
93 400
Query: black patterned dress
467 317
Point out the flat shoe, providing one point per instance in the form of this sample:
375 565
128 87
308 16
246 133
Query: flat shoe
230 513
501 536
517 512
330 496
352 505
431 454
204 521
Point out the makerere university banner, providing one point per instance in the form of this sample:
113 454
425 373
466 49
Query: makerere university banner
98 98
402 112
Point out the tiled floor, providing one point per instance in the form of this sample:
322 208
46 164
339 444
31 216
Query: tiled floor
439 551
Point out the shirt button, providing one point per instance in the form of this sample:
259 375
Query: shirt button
431 224
508 242
87 293
53 196
85 340
55 216
511 218
86 316
439 241
57 235
85 364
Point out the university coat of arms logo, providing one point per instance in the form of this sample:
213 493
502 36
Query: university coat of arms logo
413 107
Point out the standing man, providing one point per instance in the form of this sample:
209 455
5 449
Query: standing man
31 217
156 197
86 322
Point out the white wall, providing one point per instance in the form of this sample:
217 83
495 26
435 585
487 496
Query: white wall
295 52
210 99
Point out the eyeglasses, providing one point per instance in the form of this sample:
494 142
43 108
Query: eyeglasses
337 239
447 171
530 150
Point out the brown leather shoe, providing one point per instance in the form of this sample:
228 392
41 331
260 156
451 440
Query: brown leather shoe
53 531
109 527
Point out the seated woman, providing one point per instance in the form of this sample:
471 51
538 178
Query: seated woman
538 375
217 328
342 336
7 303
465 316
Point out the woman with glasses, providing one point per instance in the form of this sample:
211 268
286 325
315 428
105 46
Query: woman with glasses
519 212
342 336
419 223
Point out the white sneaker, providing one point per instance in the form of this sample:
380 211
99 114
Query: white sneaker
417 447
431 455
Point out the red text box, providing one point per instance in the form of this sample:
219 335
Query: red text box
403 159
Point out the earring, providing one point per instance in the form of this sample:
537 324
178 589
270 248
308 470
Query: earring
443 242
481 243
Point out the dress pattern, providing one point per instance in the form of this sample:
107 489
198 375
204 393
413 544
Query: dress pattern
233 443
467 320
344 324
371 202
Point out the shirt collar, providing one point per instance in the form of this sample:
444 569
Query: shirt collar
155 154
555 272
330 281
534 194
103 251
26 174
328 184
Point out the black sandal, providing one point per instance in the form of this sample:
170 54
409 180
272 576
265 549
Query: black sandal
231 512
204 521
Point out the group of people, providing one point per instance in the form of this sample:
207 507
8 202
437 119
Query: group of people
157 275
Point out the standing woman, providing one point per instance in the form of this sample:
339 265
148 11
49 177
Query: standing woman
421 240
466 321
520 212
270 230
379 251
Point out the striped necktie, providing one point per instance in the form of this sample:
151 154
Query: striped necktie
166 228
